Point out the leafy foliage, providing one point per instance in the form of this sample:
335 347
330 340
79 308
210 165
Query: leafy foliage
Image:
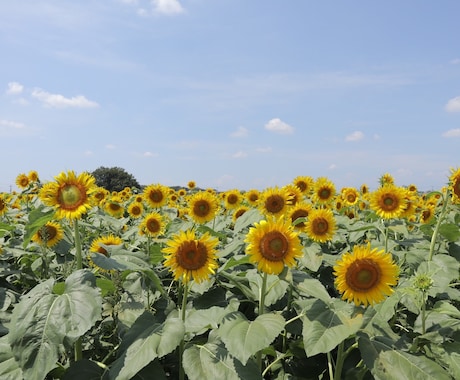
114 178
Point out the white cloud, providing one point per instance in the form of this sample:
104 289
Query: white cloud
149 154
9 128
240 132
110 146
355 136
167 6
60 101
240 154
267 149
278 126
453 105
11 124
14 88
452 133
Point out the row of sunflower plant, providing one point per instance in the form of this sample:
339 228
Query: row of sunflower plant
295 282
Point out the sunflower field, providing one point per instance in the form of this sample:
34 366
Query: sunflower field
297 281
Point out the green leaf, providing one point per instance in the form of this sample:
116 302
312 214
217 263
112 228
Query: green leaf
325 325
244 338
43 320
276 288
84 369
107 286
146 340
388 363
311 287
312 257
212 361
247 219
450 231
37 219
9 367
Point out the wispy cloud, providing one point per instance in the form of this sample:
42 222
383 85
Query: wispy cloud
60 101
355 136
14 88
240 132
240 154
452 133
278 126
167 6
9 128
110 146
266 149
453 105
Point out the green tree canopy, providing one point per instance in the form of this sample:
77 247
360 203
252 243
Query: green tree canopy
114 178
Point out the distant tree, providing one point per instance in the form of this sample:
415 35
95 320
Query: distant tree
114 179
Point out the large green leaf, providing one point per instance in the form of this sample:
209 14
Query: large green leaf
245 338
212 361
388 363
9 367
275 290
43 320
325 325
146 340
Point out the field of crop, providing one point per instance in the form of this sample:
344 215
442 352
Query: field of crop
299 281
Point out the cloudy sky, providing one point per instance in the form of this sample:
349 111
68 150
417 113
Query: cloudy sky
231 93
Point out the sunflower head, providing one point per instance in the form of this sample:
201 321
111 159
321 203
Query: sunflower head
366 275
232 199
323 191
135 209
275 201
70 194
301 210
98 243
190 257
321 225
114 207
252 196
273 244
3 205
153 225
304 184
203 206
388 201
454 185
22 181
49 235
156 195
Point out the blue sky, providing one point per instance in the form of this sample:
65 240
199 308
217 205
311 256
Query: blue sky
231 93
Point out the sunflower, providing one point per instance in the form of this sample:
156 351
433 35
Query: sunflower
454 185
203 206
274 201
320 225
427 213
300 210
156 195
388 201
232 199
350 196
304 184
239 212
153 225
323 191
190 257
135 210
3 205
294 194
252 196
114 207
49 235
98 243
364 189
33 176
386 179
191 184
366 275
22 181
70 194
100 194
272 244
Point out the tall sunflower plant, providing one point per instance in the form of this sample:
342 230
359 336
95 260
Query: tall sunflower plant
303 280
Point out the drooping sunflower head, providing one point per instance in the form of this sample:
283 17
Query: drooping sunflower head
275 201
153 225
273 244
97 245
386 179
156 195
295 194
321 225
366 275
71 195
203 206
3 205
239 212
49 235
454 185
426 213
33 176
323 191
190 257
304 184
22 181
388 201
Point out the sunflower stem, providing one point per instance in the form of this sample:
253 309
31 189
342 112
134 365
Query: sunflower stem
263 290
423 312
78 351
339 362
185 289
442 214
